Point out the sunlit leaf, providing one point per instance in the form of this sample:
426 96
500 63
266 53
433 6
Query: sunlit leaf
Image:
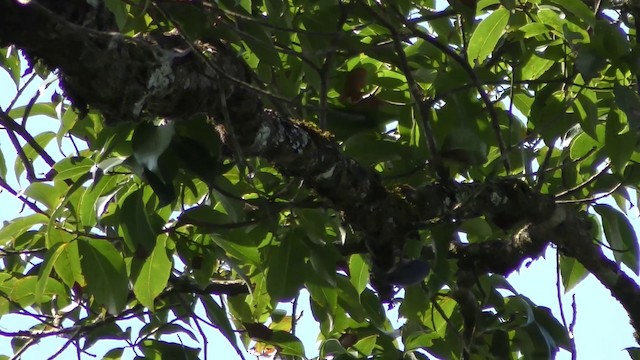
105 273
485 38
620 235
152 278
359 270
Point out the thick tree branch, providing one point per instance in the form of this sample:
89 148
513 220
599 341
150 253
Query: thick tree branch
131 79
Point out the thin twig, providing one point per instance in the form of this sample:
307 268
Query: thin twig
591 199
66 344
572 343
23 199
493 114
20 91
585 183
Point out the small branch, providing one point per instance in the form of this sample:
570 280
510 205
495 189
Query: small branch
29 204
421 106
12 128
585 183
493 114
20 91
572 342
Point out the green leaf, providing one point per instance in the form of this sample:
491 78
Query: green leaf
572 272
91 198
73 167
152 278
23 291
577 8
553 327
259 41
287 267
241 247
156 349
535 65
10 61
349 300
620 236
68 265
119 10
533 29
370 148
136 224
45 270
113 354
620 142
366 344
217 316
105 273
3 166
585 107
45 194
12 229
373 307
359 271
629 102
331 347
589 61
287 342
327 297
486 36
46 109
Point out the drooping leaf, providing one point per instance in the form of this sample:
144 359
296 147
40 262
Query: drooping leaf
218 316
572 273
359 271
137 225
286 267
620 235
157 349
105 273
152 278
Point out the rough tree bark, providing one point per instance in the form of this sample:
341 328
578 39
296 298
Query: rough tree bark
133 79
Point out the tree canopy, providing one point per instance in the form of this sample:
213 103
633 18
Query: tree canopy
228 154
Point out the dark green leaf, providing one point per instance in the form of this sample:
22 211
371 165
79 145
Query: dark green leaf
620 235
629 102
286 267
156 349
105 273
485 38
136 223
288 343
577 8
218 317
